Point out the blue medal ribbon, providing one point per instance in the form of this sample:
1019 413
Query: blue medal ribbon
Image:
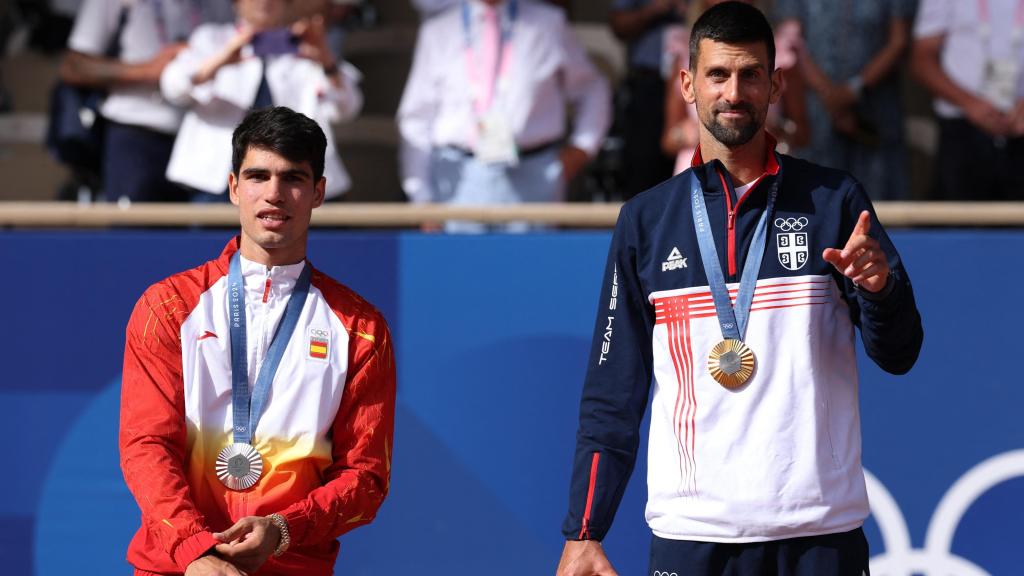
246 411
732 320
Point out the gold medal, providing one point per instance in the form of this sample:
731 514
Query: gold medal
731 363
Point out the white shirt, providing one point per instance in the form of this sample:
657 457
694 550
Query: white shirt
965 50
548 70
151 25
202 152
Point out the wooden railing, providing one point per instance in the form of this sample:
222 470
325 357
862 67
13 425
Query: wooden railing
352 215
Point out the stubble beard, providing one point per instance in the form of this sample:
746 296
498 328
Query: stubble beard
733 136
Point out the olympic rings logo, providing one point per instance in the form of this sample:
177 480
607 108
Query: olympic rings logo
791 224
899 559
666 573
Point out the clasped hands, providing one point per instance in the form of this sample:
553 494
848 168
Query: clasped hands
242 549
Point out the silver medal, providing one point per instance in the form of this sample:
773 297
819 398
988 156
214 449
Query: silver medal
239 466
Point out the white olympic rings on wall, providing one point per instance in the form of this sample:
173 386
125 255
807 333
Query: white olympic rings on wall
936 559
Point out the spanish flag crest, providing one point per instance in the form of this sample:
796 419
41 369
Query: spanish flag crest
319 343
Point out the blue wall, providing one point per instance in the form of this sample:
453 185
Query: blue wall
492 335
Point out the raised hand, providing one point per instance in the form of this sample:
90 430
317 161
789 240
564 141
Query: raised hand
861 260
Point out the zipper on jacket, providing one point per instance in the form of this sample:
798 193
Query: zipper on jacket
585 529
266 290
730 229
731 212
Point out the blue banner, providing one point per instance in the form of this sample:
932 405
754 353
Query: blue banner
492 335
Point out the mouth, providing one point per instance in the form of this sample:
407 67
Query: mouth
272 218
734 113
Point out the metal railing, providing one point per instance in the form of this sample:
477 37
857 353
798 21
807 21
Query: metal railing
384 215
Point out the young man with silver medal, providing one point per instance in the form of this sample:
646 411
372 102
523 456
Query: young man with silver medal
258 394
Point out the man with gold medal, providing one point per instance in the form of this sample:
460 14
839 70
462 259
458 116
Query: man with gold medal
258 394
731 300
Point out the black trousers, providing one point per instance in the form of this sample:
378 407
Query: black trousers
134 163
971 165
843 554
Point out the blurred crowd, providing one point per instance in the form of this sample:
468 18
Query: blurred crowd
503 104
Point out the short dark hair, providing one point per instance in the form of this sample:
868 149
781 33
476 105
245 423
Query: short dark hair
283 131
732 23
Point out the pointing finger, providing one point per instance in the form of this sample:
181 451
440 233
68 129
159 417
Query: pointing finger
863 225
859 234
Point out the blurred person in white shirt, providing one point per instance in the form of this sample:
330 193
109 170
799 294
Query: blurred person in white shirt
484 112
969 54
260 61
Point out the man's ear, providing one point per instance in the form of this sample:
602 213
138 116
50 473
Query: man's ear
321 190
778 85
686 81
233 188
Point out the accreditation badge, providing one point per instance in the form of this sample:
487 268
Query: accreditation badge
495 143
999 84
239 466
731 363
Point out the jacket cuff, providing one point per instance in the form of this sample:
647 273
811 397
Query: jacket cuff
192 548
298 525
890 285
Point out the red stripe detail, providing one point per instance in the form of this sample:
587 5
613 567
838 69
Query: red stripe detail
696 315
266 291
692 419
679 405
585 529
690 407
685 409
762 290
802 304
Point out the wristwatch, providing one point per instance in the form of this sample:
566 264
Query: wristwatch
282 527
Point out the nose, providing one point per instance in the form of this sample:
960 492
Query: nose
731 90
274 190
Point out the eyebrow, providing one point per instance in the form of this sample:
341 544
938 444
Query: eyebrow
714 68
257 171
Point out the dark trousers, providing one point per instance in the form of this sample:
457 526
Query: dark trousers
134 163
645 164
971 165
843 554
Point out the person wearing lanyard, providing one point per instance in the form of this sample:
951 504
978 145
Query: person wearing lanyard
970 55
731 297
483 113
258 394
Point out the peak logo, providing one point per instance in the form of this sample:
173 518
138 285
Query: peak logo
674 261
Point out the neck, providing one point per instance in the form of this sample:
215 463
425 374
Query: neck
270 257
744 163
